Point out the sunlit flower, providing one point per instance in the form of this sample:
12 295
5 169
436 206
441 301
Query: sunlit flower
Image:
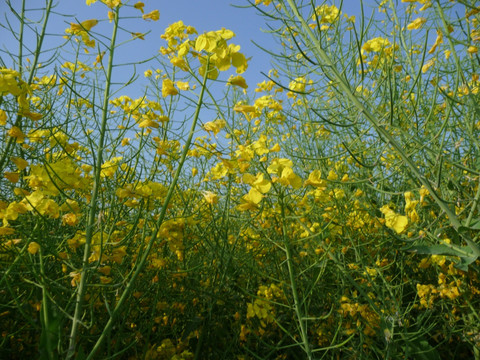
394 221
168 88
139 5
33 248
238 81
210 197
417 23
152 15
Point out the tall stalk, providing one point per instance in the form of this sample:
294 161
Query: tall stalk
92 214
324 58
153 239
33 68
297 302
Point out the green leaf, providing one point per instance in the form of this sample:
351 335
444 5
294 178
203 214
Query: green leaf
474 225
466 254
440 249
464 262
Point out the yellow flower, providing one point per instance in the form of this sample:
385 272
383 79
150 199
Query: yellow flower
137 35
328 14
152 15
240 62
251 200
168 88
264 2
20 163
75 275
315 179
148 123
86 25
16 133
11 83
258 182
183 85
438 41
375 45
70 219
472 49
118 253
244 108
215 126
332 176
110 167
139 5
394 221
210 197
428 65
3 117
417 23
112 3
238 81
13 177
288 177
33 248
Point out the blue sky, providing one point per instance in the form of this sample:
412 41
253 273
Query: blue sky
204 15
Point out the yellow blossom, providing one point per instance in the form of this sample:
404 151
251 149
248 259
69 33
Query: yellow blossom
238 81
258 182
327 14
112 3
20 163
428 65
417 23
315 179
3 117
251 200
244 108
210 197
376 44
472 49
139 6
152 15
13 177
86 25
16 133
215 126
183 85
168 88
394 221
438 41
33 248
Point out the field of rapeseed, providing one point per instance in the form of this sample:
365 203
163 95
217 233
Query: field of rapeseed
329 212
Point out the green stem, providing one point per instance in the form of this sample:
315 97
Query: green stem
323 57
45 309
95 193
163 212
297 304
37 53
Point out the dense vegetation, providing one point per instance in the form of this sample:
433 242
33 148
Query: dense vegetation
330 213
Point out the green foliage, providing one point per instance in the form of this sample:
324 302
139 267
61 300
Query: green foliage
330 213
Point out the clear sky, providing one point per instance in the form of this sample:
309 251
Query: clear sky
204 15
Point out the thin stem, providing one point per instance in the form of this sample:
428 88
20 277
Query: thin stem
345 88
143 260
297 304
95 192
